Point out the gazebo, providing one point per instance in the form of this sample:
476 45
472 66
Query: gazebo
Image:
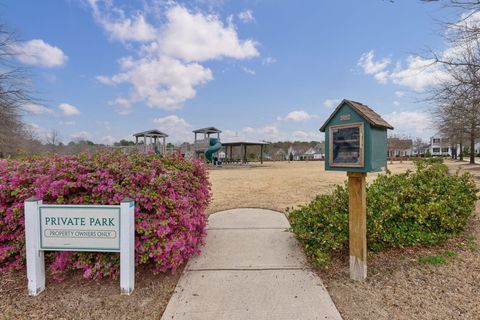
243 148
154 139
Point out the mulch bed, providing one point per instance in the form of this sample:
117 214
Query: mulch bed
77 298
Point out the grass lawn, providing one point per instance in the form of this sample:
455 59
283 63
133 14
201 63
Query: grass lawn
400 284
276 185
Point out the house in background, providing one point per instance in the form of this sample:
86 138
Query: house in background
420 148
315 153
280 155
398 147
440 146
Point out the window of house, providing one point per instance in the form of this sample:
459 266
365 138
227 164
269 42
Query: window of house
436 150
445 140
436 140
444 149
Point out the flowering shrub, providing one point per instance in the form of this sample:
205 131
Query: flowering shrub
423 207
171 195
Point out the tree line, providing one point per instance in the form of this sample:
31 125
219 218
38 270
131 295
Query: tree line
457 96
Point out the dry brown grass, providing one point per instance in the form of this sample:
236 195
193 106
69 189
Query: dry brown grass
276 185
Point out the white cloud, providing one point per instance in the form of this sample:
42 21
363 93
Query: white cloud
369 66
124 105
177 128
419 74
37 52
399 93
81 135
248 130
298 115
396 103
249 71
36 109
331 103
246 16
163 82
307 135
105 80
269 130
410 122
68 110
169 68
382 76
268 60
120 27
198 37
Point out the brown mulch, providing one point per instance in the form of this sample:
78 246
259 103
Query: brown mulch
77 298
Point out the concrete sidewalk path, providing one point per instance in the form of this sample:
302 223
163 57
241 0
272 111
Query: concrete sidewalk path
252 267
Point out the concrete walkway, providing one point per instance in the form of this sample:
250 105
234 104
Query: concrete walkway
250 268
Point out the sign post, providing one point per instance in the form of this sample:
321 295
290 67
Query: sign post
127 246
356 142
79 228
35 257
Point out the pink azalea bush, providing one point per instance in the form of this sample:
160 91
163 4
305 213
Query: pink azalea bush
171 195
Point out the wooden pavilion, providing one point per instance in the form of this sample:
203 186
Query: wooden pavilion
153 142
243 149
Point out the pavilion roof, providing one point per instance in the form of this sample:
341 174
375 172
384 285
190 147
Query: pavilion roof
207 130
151 133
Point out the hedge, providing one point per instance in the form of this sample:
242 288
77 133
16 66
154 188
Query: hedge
421 207
171 195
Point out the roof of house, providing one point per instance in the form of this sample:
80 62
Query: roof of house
207 130
151 133
363 110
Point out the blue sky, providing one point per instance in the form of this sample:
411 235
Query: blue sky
258 69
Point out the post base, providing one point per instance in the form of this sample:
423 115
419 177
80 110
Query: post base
358 269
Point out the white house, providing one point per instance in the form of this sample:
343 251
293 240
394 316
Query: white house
440 146
315 153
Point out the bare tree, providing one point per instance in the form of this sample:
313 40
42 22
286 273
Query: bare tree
14 94
52 139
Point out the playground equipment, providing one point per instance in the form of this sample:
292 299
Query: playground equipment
215 146
206 146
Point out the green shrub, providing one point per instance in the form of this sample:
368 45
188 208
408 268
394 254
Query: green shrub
424 206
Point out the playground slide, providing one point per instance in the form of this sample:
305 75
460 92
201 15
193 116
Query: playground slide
214 147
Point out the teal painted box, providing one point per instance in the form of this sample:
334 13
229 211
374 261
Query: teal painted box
355 139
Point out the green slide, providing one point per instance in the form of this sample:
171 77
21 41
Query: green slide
215 145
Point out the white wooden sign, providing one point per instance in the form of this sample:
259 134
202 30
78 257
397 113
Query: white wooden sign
79 228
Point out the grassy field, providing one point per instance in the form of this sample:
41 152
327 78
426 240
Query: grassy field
402 284
276 185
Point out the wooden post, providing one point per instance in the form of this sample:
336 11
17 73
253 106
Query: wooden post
357 206
35 257
127 246
261 154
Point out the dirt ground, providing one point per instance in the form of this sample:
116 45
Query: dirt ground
76 298
398 287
